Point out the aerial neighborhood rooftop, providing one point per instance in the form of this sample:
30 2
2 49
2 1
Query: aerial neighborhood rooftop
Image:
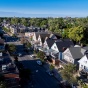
38 44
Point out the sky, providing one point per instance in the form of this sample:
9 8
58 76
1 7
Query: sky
43 8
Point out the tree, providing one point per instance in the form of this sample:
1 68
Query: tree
3 85
14 20
12 48
41 55
28 45
6 47
24 21
51 67
76 33
68 73
23 40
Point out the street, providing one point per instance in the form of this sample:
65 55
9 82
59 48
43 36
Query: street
40 78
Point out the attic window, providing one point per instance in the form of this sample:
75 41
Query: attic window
55 47
85 61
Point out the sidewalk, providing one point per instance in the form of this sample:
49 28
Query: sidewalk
56 74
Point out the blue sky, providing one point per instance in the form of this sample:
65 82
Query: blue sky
44 8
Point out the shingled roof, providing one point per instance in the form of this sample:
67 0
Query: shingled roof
43 36
64 43
76 52
50 42
38 33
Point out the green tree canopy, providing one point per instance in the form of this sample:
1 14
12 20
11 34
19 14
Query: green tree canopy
12 48
14 20
76 33
41 55
68 72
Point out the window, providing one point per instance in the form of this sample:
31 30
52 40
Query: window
81 65
85 61
55 47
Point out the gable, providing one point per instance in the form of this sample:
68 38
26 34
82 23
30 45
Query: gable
52 36
67 53
54 47
84 61
39 38
45 43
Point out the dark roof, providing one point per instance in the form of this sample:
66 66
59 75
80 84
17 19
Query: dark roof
76 52
38 33
57 35
50 42
43 36
64 43
87 56
86 48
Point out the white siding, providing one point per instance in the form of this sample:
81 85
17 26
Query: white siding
54 47
83 62
67 56
45 45
34 37
39 38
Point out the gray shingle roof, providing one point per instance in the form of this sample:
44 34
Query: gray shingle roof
43 36
38 33
76 52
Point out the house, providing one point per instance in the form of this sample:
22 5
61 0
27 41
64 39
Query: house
60 46
42 38
29 34
2 48
55 36
48 43
73 54
21 28
36 35
13 29
12 80
83 63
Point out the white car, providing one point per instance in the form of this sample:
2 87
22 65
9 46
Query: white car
19 54
33 56
39 62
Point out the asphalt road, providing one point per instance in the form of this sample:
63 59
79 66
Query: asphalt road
40 79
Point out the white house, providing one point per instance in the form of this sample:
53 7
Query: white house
83 63
73 54
55 47
36 35
13 29
29 34
42 38
60 45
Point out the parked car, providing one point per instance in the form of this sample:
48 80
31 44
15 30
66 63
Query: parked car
19 54
39 62
33 56
50 73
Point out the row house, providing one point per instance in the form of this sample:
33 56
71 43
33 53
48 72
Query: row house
13 29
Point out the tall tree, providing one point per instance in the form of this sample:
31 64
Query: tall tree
68 73
14 20
76 33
